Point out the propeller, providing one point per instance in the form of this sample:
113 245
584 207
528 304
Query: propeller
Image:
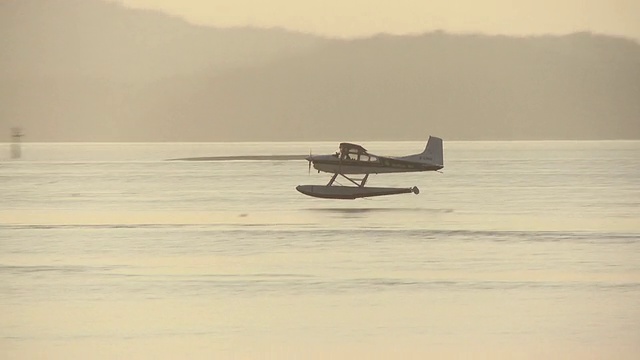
309 160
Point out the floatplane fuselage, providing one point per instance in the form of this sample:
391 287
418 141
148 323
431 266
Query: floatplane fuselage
353 159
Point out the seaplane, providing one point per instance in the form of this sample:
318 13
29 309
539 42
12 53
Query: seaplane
353 159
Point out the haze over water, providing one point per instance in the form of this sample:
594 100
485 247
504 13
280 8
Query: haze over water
518 250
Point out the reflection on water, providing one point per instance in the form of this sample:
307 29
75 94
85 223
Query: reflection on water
365 210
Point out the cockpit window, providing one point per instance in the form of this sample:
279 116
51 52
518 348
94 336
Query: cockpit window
356 153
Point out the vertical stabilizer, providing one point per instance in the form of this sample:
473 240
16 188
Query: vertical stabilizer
433 152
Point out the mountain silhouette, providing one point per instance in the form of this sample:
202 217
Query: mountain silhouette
88 70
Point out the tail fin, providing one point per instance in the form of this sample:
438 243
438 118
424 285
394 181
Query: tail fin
433 152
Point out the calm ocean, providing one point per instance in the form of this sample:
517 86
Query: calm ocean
518 250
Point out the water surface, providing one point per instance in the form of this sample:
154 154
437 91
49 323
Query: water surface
517 250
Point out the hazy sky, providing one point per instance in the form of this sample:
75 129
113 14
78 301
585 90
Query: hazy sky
349 18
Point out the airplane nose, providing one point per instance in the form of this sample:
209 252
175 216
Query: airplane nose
309 158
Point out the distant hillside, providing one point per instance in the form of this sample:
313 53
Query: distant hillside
459 86
105 40
86 70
